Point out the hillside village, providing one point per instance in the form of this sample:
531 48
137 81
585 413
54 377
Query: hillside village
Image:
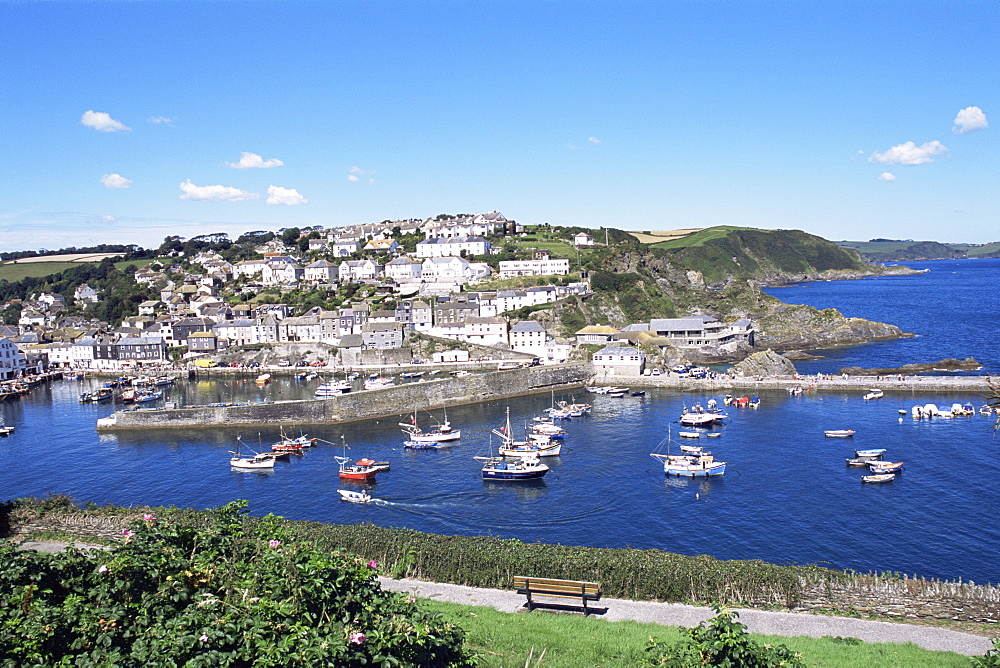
402 286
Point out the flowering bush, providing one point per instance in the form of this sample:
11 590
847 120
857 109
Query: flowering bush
214 595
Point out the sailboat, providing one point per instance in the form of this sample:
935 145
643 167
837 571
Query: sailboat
255 462
537 445
433 437
699 464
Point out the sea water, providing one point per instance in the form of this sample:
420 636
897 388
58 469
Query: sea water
787 495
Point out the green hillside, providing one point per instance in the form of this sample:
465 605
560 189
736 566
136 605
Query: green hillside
720 252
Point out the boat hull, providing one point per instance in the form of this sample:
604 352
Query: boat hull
694 471
492 474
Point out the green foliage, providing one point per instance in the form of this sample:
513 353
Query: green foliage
721 641
225 592
989 660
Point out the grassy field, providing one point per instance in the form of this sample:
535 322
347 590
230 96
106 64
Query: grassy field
503 640
655 237
699 238
15 272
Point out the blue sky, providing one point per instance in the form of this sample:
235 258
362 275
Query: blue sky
124 122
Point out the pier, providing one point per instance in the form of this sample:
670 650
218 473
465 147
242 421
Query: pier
979 385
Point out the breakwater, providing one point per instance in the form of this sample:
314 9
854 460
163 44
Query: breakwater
826 383
363 405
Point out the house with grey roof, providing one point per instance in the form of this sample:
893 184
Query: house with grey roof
619 361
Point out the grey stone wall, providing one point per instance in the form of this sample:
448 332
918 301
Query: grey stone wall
363 405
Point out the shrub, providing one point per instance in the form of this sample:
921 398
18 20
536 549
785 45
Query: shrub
721 641
210 595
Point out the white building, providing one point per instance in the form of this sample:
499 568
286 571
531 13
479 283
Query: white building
445 247
86 294
528 336
281 270
12 361
403 270
619 361
321 271
359 270
513 268
583 239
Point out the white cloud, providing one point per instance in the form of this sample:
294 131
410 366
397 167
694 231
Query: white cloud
969 119
161 120
213 193
354 175
115 181
593 140
886 176
254 161
909 154
102 122
286 196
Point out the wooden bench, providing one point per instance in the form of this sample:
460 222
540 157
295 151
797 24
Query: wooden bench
585 591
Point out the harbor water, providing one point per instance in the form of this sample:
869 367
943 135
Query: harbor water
786 497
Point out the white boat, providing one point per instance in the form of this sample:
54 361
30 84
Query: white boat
354 497
873 393
263 379
700 419
255 462
332 389
145 396
871 454
537 445
689 434
6 431
376 383
878 477
694 465
839 433
441 433
522 468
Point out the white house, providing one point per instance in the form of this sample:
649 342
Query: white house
12 361
359 270
481 224
528 336
512 268
445 247
86 294
281 270
345 247
619 361
249 268
445 269
403 270
321 271
583 239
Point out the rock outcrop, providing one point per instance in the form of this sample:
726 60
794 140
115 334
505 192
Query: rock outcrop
765 363
949 364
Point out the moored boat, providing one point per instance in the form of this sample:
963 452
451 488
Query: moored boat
879 477
263 379
873 393
700 464
885 467
440 433
839 433
521 468
6 430
350 471
871 454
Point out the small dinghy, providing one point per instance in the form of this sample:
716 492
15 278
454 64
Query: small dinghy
353 496
871 454
881 477
839 433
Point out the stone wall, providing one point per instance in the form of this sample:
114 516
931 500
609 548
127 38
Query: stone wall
363 405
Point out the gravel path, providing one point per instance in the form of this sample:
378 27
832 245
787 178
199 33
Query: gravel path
757 621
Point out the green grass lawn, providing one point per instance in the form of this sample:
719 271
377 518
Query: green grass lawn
15 272
504 640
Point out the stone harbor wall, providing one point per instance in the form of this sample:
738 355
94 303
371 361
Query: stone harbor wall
363 405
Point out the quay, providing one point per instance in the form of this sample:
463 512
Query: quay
477 388
824 383
363 405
